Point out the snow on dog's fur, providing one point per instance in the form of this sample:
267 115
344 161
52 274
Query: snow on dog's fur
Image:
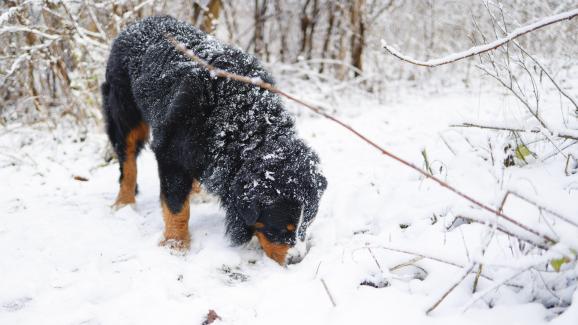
235 138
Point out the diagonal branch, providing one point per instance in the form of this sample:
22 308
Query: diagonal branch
450 289
267 86
486 47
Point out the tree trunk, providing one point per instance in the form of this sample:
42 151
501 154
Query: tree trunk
312 24
230 20
283 48
196 13
358 35
260 45
305 21
328 34
211 16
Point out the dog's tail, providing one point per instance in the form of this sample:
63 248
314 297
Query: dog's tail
121 114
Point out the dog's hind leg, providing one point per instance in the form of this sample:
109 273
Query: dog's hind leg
128 168
176 187
128 133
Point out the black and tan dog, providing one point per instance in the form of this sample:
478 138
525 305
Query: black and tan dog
235 138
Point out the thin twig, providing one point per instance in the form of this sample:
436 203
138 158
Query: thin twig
437 259
546 285
375 259
462 278
317 269
491 288
267 86
518 94
433 258
447 145
426 161
540 207
560 134
507 232
408 263
477 279
328 293
517 44
568 163
486 47
557 152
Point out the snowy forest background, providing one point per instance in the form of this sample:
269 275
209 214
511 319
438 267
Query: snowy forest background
388 244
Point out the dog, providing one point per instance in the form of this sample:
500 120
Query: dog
234 138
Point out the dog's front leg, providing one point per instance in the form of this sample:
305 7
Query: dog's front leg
175 190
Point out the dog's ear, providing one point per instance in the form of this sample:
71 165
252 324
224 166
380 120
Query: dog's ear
250 214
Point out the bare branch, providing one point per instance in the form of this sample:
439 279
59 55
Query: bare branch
433 258
14 29
492 287
560 134
375 259
519 94
486 47
540 207
504 230
462 278
505 31
267 86
328 293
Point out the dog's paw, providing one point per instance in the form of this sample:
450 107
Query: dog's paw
176 246
119 205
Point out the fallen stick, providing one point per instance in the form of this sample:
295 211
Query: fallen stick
328 293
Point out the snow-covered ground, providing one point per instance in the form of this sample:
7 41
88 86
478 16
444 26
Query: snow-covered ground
67 258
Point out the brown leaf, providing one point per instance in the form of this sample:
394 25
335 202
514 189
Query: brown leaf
211 317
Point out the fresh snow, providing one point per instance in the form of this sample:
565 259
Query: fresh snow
67 258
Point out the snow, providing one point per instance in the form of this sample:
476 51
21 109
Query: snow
67 258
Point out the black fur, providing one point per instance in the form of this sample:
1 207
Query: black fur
236 138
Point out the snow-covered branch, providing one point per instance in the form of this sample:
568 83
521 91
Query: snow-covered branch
564 134
486 47
14 29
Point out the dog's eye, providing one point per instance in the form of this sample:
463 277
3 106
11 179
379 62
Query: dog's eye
291 227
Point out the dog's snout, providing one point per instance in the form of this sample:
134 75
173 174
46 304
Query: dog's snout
294 259
296 253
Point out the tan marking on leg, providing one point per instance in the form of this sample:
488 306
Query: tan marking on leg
276 252
176 227
126 193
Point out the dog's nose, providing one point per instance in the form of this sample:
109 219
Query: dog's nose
294 259
296 253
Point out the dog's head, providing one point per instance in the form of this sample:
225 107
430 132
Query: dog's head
280 229
277 194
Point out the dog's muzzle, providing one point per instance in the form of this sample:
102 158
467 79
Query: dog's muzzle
296 253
